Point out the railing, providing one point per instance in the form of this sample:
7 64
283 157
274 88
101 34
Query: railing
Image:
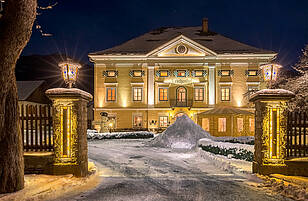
182 103
297 134
36 127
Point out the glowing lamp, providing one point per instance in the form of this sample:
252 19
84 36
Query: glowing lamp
270 72
69 71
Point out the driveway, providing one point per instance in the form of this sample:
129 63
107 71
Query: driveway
132 170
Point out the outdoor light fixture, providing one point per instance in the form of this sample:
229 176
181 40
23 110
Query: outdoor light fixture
69 71
1 7
270 72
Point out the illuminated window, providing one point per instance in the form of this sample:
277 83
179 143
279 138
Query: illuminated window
199 94
251 124
225 72
181 73
163 73
137 73
252 72
163 121
137 94
206 124
199 73
222 124
225 94
111 93
111 73
240 124
163 94
137 121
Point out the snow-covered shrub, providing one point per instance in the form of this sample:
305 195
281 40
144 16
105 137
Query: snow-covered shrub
120 135
242 139
241 154
230 150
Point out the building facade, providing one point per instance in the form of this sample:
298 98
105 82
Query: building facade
150 80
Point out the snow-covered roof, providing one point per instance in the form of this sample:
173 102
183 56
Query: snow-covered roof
272 93
26 88
150 41
225 110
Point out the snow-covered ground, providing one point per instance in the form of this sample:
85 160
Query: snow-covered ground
135 170
49 187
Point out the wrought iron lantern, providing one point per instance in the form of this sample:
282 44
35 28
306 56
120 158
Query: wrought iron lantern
270 72
69 71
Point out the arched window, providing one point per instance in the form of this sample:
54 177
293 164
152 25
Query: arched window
181 94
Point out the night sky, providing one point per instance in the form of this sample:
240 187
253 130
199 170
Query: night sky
80 27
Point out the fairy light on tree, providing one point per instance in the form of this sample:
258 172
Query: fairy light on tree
69 71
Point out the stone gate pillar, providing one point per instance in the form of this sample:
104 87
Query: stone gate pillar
70 130
270 130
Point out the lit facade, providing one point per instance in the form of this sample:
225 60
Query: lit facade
150 80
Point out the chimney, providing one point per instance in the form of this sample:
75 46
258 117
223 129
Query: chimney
205 25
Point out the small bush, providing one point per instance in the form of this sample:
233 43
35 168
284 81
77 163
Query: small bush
241 154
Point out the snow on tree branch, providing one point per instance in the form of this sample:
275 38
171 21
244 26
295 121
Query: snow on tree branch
47 7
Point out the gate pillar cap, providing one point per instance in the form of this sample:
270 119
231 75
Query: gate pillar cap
272 94
68 93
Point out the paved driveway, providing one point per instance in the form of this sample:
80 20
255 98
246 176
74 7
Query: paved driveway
132 170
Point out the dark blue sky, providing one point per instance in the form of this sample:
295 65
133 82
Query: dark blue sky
80 27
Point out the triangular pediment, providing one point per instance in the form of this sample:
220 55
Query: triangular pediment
181 46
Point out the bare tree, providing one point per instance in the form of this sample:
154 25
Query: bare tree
15 30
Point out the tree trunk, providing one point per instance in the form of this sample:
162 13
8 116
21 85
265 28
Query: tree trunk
15 31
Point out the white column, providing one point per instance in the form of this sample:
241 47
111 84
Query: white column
151 85
212 87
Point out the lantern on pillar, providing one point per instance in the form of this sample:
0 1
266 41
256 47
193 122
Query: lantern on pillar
69 71
270 72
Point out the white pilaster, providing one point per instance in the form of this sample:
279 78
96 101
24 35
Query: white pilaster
212 87
151 85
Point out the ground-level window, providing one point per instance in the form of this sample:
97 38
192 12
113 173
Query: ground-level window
240 124
225 93
206 124
222 124
137 94
111 93
137 121
163 121
199 94
251 124
163 94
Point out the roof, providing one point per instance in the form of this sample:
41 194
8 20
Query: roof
26 88
154 39
226 110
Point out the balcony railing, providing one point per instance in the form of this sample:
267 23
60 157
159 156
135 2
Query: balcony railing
181 103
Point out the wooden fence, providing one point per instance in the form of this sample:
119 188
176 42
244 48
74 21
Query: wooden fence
36 127
297 134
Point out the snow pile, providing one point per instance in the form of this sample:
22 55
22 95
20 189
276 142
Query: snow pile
184 133
93 134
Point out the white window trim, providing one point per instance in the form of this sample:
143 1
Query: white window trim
137 115
230 93
195 94
133 88
159 121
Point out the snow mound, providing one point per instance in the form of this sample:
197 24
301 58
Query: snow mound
184 133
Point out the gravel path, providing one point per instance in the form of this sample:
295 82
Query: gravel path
132 170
